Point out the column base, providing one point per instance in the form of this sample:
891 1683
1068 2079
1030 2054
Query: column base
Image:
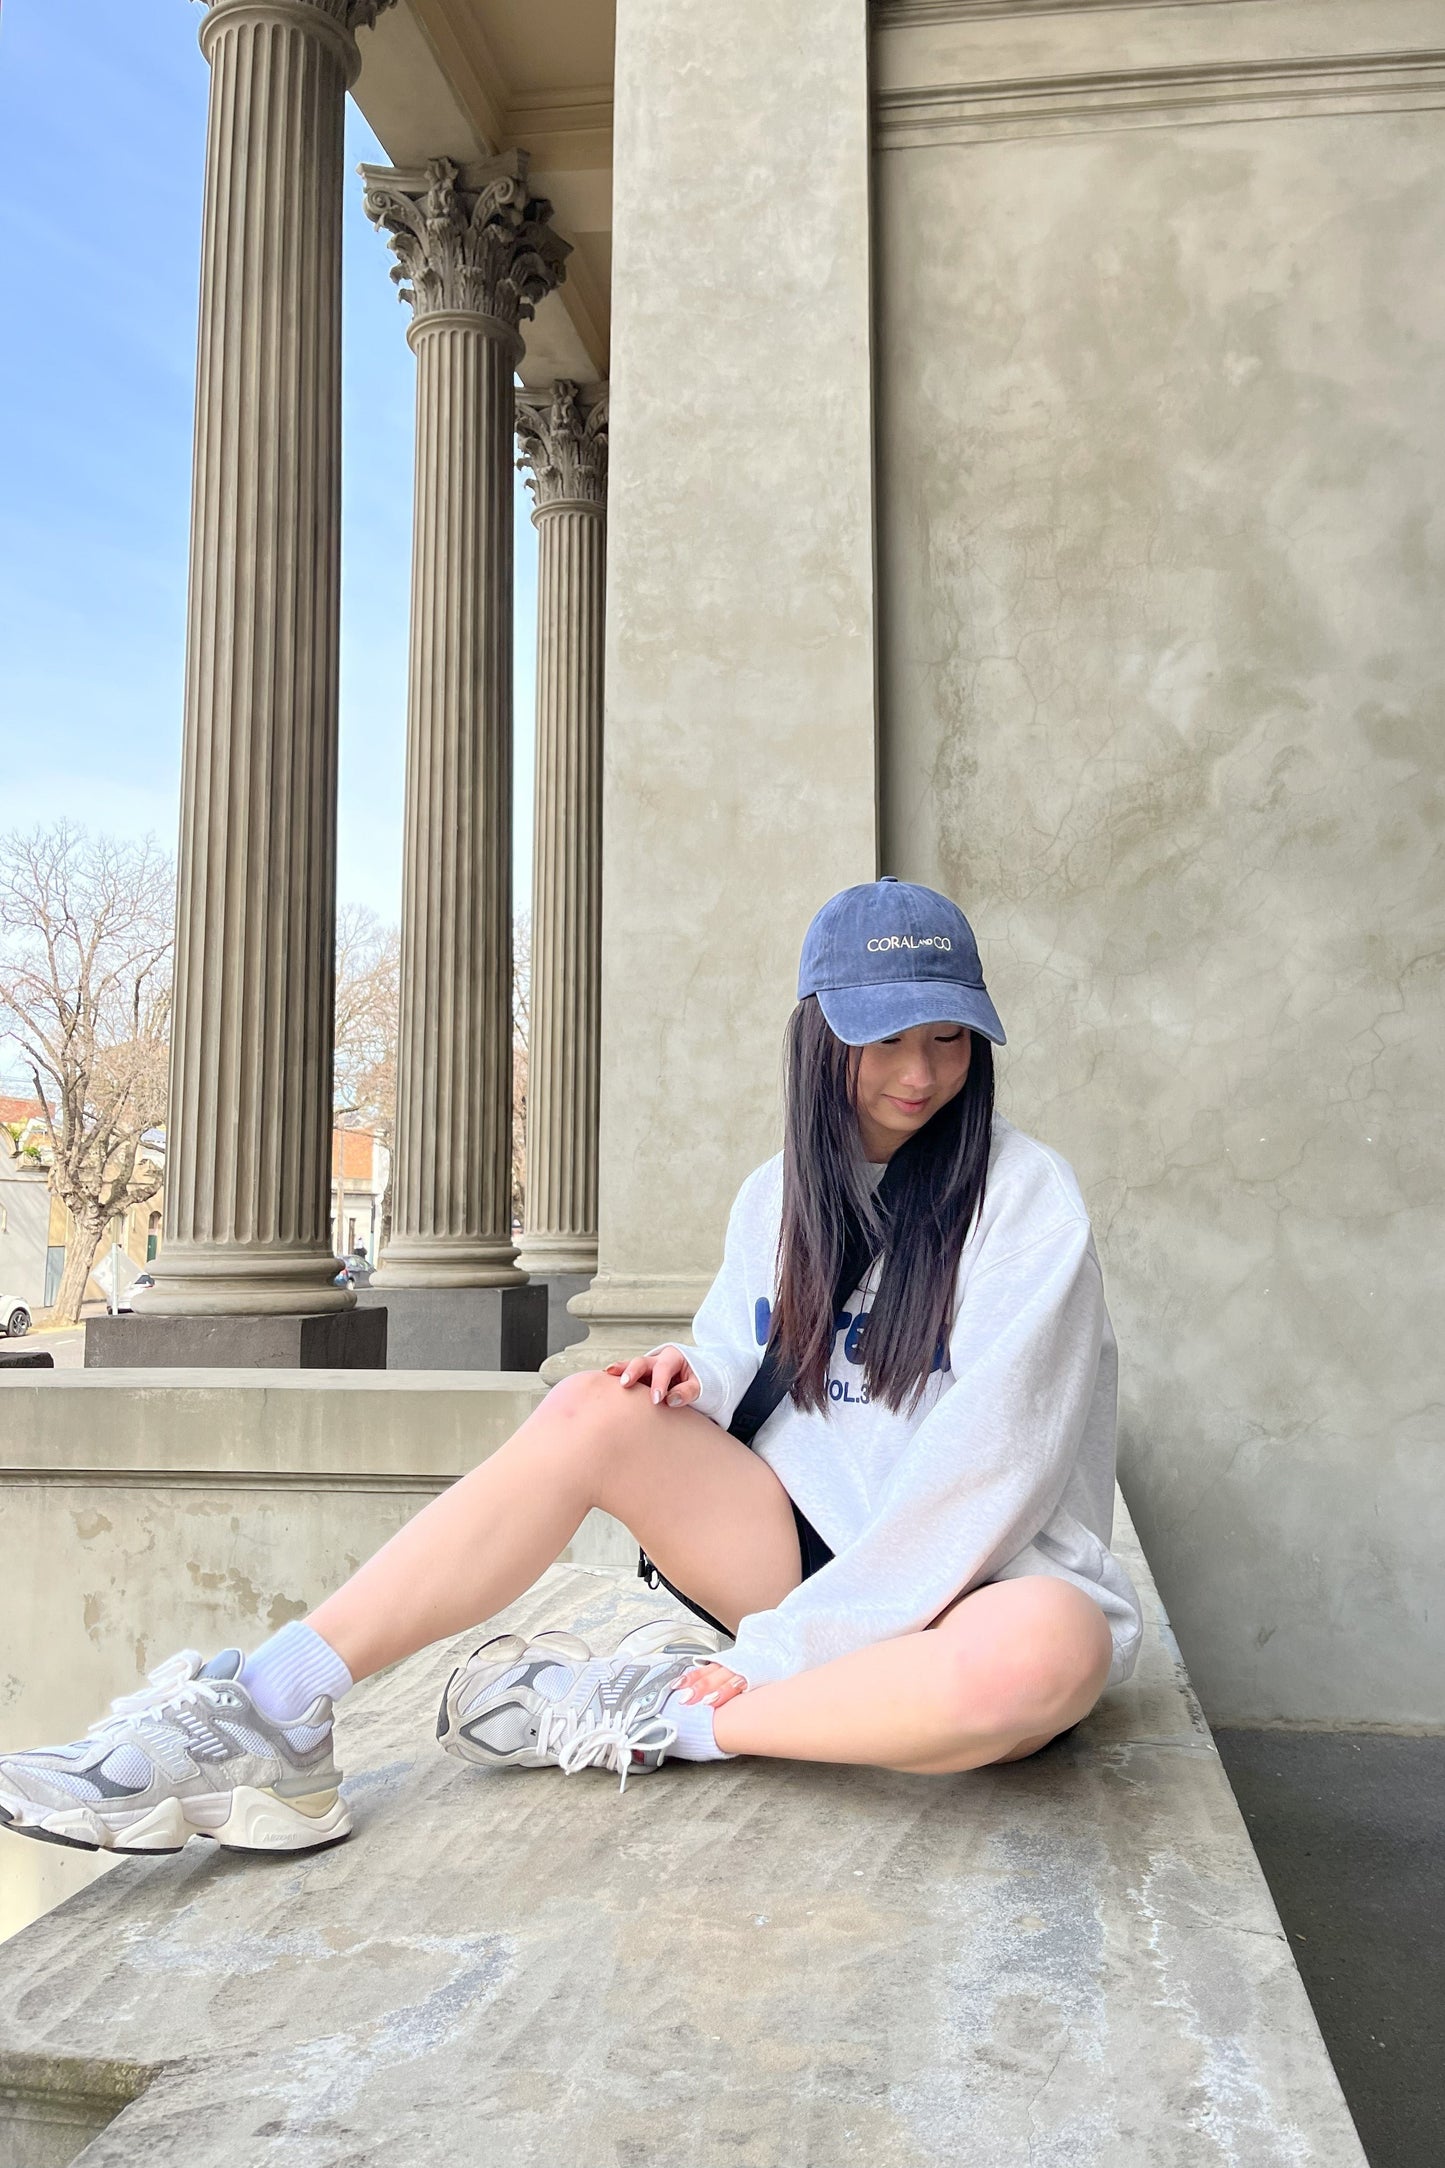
328 1340
625 1313
458 1264
460 1328
546 1257
243 1279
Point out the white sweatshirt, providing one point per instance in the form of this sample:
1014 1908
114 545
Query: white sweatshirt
1005 1468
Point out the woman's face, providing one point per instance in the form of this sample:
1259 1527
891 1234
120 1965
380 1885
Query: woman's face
902 1082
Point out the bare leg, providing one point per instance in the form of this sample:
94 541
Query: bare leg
1001 1673
713 1516
997 1676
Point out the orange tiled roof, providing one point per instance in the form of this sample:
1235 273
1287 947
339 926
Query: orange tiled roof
21 1110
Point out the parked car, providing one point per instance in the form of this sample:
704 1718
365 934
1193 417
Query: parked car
14 1316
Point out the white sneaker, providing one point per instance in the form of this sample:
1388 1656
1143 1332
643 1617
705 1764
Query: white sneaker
533 1710
674 1637
188 1754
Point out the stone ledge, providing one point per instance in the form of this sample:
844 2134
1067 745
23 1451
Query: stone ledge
1071 1960
286 1423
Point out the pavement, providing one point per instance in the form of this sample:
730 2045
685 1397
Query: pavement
1350 1831
66 1344
1069 1962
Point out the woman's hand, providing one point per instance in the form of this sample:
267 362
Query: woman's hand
674 1381
712 1683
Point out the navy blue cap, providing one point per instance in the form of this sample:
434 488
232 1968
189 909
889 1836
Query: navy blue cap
887 955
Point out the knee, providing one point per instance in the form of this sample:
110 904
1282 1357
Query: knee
578 1398
588 1413
1040 1676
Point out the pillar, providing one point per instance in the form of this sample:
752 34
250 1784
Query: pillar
475 253
562 437
248 1168
740 779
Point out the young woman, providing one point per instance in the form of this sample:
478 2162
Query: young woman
912 1555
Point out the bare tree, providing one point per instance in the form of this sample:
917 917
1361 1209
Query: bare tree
521 1041
368 995
85 948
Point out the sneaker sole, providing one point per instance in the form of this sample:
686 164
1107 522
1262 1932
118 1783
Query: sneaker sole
245 1820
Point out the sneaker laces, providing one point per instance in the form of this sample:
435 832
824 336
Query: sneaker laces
600 1742
172 1683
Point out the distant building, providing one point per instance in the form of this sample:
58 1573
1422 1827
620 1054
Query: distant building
360 1165
36 1227
24 1218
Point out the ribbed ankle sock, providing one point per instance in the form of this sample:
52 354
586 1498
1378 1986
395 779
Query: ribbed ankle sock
696 1740
284 1676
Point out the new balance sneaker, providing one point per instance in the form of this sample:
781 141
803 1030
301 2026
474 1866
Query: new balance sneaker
674 1637
188 1754
536 1710
549 1661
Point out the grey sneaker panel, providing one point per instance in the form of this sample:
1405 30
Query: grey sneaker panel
206 1737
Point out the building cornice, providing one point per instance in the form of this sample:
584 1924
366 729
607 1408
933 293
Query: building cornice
1155 97
903 14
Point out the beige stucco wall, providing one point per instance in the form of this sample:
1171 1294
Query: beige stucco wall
1161 503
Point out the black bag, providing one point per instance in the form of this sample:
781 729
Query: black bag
773 1379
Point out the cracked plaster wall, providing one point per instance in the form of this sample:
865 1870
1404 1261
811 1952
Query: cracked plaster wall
1160 475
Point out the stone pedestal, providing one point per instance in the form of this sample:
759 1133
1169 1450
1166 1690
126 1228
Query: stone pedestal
563 1329
475 252
461 1328
324 1340
248 1161
562 437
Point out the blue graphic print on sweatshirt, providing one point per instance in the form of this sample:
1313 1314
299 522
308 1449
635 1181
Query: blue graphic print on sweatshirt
850 1323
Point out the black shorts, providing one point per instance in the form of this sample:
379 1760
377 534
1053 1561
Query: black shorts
813 1551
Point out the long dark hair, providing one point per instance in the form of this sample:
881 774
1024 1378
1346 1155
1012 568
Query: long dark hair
937 1182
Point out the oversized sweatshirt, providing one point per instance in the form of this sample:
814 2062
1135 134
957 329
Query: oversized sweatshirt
1005 1468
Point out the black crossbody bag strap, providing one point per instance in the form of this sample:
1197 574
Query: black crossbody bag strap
772 1381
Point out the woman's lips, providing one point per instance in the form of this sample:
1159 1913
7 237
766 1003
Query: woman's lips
908 1106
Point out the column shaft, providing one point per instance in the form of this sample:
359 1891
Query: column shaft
453 1172
565 443
249 1134
475 253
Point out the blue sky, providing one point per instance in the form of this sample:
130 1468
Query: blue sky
102 137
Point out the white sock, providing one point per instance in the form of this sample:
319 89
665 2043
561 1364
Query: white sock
696 1740
284 1676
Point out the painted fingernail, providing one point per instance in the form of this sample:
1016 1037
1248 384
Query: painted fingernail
656 1396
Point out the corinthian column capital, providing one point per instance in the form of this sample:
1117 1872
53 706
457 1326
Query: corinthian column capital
333 21
562 438
471 241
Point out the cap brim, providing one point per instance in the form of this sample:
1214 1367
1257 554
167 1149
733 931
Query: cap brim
860 1014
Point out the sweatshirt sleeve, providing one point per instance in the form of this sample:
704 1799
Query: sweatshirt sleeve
980 1476
726 1352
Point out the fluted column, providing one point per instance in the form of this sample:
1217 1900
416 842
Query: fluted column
563 441
475 254
248 1166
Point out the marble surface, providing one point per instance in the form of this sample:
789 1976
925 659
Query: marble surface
1071 1960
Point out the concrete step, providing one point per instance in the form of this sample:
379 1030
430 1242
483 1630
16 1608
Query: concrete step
1070 1962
